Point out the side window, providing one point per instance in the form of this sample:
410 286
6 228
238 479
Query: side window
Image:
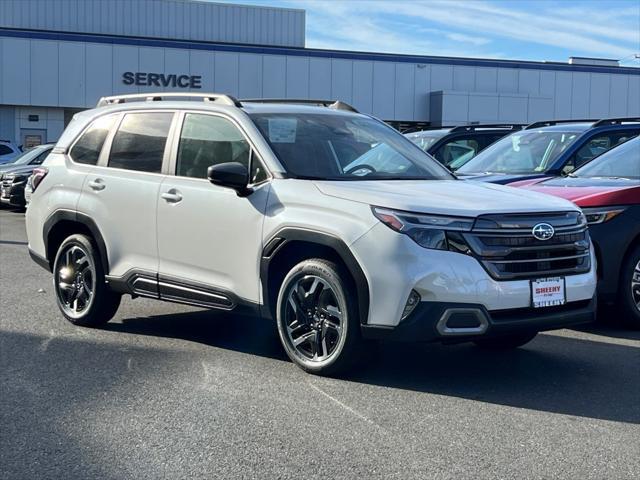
208 140
595 146
139 142
87 149
457 149
40 158
4 150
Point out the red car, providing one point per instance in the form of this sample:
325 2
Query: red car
608 191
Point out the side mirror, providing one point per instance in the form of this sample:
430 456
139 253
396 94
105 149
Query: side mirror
231 175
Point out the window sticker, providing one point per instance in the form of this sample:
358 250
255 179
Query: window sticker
282 130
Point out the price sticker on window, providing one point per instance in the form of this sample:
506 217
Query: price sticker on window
282 130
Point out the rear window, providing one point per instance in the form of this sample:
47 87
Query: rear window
140 141
87 149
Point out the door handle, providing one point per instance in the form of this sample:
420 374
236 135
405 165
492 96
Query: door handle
172 196
97 184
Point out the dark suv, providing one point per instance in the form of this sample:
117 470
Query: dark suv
548 149
455 146
14 175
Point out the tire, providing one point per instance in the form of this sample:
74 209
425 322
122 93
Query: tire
505 342
78 278
629 302
317 307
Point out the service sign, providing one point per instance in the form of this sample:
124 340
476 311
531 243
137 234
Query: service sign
150 79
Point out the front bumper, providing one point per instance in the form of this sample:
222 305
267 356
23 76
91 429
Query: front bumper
460 322
395 265
13 195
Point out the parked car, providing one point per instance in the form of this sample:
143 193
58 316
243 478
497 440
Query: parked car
548 149
608 190
14 175
455 146
324 219
8 151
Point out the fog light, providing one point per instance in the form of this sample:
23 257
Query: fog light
412 303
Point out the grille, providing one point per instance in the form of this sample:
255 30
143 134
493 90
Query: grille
5 187
509 250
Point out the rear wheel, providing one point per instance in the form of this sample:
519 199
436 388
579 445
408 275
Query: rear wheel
317 317
506 342
630 290
81 292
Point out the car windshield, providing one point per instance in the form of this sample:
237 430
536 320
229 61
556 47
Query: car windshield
25 157
344 147
622 161
530 151
425 139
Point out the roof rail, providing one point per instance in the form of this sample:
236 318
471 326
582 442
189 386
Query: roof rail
616 121
512 126
156 97
549 123
335 104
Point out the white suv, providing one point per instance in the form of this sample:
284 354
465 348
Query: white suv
322 218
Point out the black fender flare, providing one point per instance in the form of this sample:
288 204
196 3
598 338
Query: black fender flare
81 218
291 234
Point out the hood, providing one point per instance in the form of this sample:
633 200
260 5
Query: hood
500 178
444 197
591 192
19 169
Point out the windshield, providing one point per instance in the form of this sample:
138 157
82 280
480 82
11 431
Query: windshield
621 162
26 156
344 147
425 139
529 151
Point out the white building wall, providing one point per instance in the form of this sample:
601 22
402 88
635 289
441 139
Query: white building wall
176 19
72 74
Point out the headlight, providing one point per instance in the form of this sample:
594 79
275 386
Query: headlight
429 231
598 215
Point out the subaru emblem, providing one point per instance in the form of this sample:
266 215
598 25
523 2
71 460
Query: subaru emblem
543 231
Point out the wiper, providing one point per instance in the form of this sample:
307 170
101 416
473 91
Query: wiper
616 178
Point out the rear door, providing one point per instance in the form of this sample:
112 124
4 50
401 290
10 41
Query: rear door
121 192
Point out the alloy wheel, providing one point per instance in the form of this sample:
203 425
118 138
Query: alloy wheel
313 319
75 280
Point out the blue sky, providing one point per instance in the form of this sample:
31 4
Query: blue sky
524 30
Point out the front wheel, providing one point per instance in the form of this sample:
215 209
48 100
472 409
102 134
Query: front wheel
505 342
317 317
630 290
81 292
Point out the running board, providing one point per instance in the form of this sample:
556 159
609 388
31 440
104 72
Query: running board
139 283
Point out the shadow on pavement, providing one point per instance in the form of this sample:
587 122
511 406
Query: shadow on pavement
220 329
553 373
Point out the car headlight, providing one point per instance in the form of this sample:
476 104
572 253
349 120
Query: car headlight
437 232
598 215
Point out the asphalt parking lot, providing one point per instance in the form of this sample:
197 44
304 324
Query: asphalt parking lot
166 391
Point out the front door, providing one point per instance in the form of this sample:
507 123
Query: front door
209 238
